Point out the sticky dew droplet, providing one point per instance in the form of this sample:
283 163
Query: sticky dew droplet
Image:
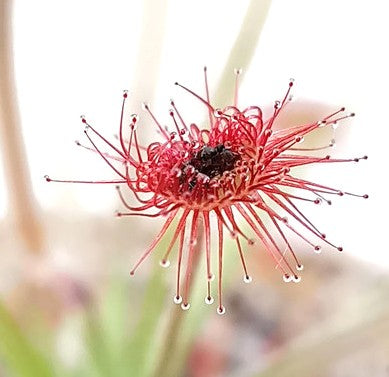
218 113
164 263
321 123
287 278
134 121
247 279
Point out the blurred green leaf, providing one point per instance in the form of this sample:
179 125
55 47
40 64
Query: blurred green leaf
97 347
140 353
104 330
22 359
111 349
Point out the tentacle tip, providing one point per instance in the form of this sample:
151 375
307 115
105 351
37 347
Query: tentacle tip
118 214
164 263
205 68
340 248
366 196
77 142
177 299
247 279
287 278
132 273
185 306
176 83
211 277
209 300
134 120
296 279
234 235
125 93
221 310
300 267
47 178
342 108
317 249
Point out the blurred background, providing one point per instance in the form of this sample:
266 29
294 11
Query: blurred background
68 306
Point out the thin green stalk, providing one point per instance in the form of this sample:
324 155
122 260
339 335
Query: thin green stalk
167 364
242 51
166 361
149 54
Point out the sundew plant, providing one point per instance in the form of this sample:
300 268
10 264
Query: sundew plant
237 168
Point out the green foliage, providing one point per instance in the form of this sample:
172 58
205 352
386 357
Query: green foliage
20 356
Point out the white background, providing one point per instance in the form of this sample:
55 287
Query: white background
75 57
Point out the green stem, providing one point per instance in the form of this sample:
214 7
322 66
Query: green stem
149 54
242 51
167 364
